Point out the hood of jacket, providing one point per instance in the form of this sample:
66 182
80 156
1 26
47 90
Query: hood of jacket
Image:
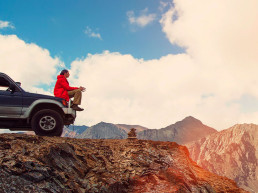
61 77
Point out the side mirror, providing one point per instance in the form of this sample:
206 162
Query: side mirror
12 88
18 83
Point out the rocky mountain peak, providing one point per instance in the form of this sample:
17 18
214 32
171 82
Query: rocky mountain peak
191 119
53 164
102 123
187 130
232 152
104 130
187 121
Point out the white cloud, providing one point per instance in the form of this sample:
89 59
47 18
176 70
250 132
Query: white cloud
142 20
90 33
5 24
27 63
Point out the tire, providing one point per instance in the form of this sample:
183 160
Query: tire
47 122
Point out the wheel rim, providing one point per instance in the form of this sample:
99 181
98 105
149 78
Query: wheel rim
47 123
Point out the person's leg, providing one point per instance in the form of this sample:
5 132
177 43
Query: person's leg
77 95
71 93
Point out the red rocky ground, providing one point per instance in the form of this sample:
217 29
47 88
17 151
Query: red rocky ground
53 164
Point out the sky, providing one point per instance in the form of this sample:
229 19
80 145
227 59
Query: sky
145 62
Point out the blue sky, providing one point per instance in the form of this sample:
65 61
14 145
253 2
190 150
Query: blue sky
146 62
60 25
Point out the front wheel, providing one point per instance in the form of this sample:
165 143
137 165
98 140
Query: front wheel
47 123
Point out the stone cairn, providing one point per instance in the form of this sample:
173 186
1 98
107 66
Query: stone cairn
132 134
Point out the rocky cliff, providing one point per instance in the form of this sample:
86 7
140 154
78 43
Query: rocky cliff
185 131
232 153
53 164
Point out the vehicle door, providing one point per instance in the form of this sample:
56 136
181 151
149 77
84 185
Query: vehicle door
10 100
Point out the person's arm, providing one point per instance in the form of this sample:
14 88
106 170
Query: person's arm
82 88
66 86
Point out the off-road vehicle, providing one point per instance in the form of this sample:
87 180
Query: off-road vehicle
24 111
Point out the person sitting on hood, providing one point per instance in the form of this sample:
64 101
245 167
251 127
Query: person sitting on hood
63 90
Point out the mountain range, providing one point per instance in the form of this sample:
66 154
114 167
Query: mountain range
73 131
185 131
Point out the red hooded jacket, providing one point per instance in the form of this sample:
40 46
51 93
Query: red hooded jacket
61 87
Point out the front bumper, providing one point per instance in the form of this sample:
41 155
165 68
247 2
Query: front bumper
70 116
69 111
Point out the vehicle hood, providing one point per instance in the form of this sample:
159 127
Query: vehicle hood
41 96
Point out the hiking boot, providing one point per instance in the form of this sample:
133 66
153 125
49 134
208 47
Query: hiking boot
76 108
